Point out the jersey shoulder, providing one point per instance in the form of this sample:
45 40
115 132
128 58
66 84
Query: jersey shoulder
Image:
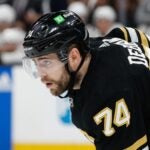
130 35
135 53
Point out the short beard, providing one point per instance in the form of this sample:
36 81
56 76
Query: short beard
61 86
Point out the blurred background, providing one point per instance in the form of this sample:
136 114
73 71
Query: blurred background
30 118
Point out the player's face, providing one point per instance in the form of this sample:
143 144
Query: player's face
52 73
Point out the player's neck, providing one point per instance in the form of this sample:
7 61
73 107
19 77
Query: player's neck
82 72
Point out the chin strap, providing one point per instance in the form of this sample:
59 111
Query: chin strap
72 78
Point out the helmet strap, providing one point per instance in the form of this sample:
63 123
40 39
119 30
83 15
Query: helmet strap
72 78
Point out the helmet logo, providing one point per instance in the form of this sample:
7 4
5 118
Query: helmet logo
59 19
29 34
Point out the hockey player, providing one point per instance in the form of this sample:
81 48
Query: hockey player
107 79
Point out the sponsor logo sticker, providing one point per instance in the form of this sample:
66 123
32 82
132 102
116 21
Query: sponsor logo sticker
59 19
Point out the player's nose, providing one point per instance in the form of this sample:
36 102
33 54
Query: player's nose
41 72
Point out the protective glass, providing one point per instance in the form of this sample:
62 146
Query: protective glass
37 67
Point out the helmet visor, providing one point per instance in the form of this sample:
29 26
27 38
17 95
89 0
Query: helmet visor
30 67
36 67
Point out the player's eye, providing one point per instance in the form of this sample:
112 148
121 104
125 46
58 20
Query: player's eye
46 63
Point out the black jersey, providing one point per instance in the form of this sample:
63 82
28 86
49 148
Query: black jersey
128 34
112 107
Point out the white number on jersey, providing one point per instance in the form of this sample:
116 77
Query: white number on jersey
121 117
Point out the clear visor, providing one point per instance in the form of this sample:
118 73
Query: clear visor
36 68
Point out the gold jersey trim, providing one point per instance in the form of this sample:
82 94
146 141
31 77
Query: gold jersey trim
138 143
125 33
144 39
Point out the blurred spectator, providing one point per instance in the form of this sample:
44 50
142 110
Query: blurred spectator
105 19
83 1
30 10
40 6
82 10
96 3
27 12
142 16
11 46
93 4
7 20
7 17
16 16
126 11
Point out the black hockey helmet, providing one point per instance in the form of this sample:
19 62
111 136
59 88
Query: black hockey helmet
53 32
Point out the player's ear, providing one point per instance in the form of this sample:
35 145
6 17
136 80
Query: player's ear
74 59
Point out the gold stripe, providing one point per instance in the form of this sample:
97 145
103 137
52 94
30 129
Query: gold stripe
143 39
52 147
138 143
125 33
90 138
